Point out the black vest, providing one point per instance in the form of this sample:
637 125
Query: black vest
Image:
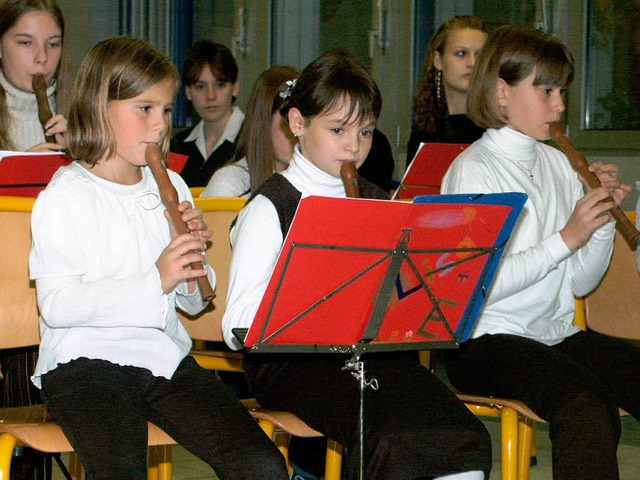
285 197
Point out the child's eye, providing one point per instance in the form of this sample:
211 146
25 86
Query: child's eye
168 111
24 42
55 44
145 108
366 133
221 84
460 53
199 86
336 130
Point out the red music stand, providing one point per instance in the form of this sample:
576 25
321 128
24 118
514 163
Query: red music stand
425 172
397 275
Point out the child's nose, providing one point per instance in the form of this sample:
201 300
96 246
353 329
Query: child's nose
40 56
353 144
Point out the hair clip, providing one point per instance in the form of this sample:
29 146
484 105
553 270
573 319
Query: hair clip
287 92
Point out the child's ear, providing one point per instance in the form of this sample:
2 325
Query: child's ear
296 121
502 92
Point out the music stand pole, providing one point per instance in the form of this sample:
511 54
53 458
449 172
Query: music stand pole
356 367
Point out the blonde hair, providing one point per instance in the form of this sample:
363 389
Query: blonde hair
10 13
118 68
512 53
429 108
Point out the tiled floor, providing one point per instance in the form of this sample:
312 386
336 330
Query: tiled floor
188 467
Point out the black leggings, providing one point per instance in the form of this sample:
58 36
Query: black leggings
104 408
577 386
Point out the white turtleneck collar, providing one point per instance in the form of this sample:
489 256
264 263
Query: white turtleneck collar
26 130
309 179
512 145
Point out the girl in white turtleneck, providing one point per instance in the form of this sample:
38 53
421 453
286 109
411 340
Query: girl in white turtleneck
416 428
31 36
525 345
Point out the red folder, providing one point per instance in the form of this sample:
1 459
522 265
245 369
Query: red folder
176 161
359 275
425 172
25 175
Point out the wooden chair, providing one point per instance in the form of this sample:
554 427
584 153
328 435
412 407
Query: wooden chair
32 426
219 212
611 309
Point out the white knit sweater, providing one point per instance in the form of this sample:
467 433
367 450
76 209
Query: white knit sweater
25 129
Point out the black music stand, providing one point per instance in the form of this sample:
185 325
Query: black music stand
400 276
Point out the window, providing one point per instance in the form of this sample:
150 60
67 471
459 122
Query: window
612 59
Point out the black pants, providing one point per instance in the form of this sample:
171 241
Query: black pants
577 386
104 408
414 426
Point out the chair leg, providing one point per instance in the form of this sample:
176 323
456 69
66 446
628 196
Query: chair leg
509 442
7 444
525 441
152 468
333 462
164 462
75 467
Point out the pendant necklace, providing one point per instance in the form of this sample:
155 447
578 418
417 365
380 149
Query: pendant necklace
528 170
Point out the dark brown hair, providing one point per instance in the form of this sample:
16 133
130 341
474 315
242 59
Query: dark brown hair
335 77
216 56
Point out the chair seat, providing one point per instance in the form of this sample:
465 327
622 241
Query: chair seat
498 402
34 427
285 421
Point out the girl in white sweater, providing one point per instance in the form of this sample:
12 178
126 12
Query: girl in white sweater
109 275
31 40
525 345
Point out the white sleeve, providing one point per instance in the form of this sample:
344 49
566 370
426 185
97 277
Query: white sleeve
63 242
257 241
229 181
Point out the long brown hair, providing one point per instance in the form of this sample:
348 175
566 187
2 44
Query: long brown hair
10 12
428 109
256 142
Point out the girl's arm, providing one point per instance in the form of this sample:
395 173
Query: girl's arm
256 241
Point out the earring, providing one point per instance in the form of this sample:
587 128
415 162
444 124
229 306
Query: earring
439 85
